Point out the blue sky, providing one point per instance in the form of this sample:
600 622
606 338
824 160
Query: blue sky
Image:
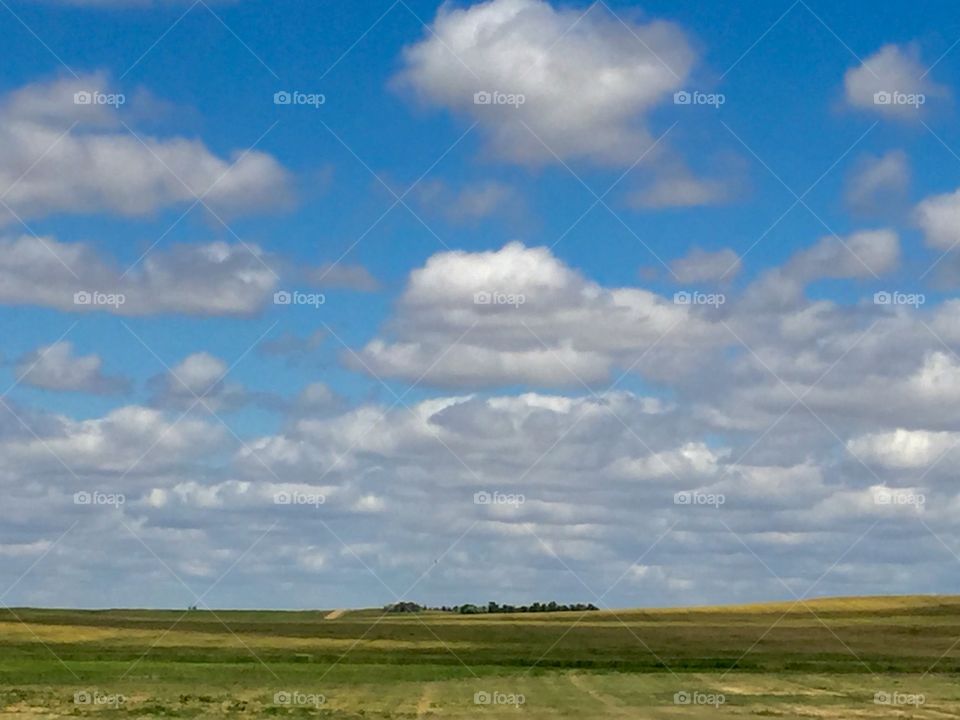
791 201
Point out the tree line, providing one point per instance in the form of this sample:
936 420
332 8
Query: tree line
491 608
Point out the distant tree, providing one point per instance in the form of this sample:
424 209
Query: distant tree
403 607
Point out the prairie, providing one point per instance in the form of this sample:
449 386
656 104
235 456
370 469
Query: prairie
830 658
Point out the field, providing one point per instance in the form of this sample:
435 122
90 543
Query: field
837 658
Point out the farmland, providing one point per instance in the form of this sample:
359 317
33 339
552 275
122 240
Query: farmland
834 658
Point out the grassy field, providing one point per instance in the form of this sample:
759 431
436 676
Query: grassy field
838 658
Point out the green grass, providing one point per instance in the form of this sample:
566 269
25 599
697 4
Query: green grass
824 659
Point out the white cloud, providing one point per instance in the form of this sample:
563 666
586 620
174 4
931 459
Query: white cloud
198 373
56 367
469 203
58 156
316 396
878 183
212 279
598 473
598 476
199 380
893 82
520 315
859 255
704 266
586 79
682 191
343 276
903 448
939 217
130 439
543 324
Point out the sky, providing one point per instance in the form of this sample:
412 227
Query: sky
321 305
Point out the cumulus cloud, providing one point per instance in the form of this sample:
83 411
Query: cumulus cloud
859 255
519 314
587 467
58 155
904 448
878 184
212 279
342 276
893 82
599 474
703 266
136 442
295 349
316 397
57 367
678 188
469 203
586 81
198 373
939 217
198 381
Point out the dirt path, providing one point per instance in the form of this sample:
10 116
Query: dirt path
334 615
581 683
423 706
